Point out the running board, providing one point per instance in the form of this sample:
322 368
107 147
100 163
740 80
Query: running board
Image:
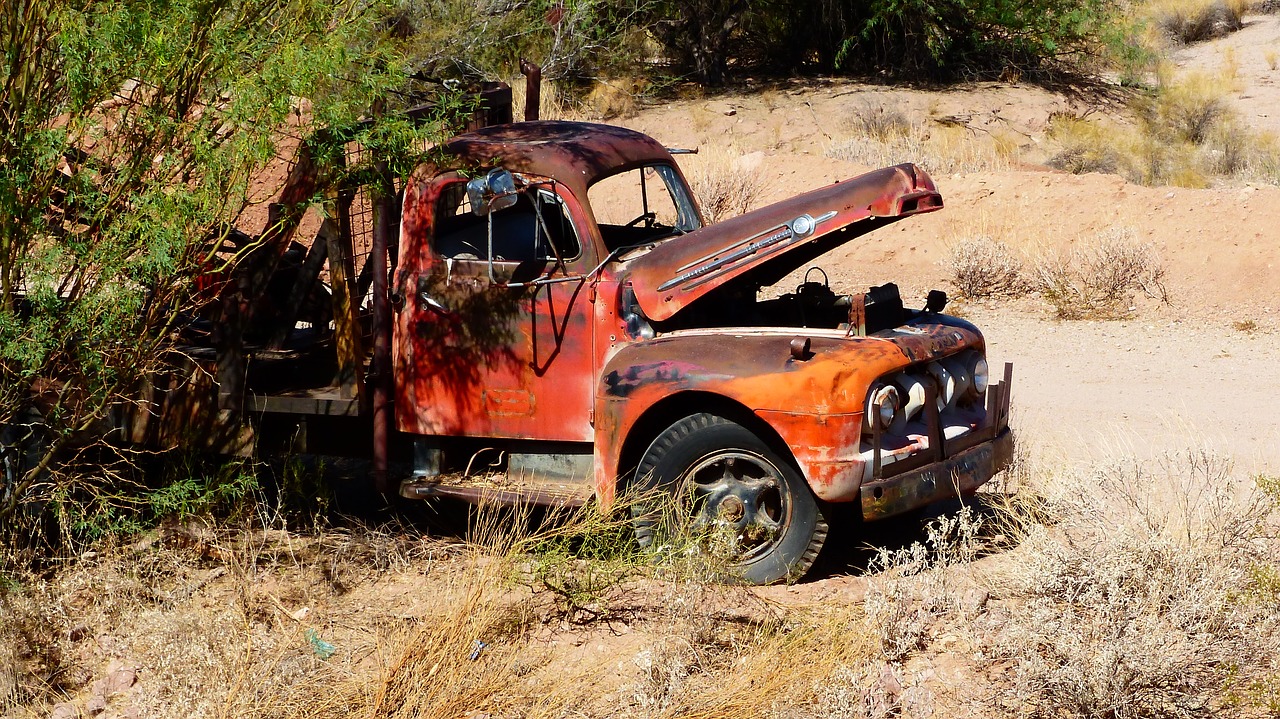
512 495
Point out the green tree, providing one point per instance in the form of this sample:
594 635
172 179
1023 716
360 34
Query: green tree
130 133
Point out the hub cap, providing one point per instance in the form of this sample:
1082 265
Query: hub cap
736 496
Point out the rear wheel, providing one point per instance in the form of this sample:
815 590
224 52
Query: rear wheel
734 494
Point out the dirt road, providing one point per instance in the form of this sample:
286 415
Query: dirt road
1093 390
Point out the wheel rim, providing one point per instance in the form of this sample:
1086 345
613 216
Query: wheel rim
736 496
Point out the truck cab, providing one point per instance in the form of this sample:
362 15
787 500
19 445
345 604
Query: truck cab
567 328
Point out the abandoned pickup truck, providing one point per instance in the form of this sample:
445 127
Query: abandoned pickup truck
541 315
562 311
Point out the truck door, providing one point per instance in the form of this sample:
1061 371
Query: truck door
501 348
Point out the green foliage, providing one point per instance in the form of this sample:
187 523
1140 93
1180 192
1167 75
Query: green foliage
130 134
979 36
118 504
573 40
918 39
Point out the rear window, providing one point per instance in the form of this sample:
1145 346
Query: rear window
537 227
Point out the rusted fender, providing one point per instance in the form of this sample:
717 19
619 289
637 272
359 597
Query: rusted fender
682 269
814 404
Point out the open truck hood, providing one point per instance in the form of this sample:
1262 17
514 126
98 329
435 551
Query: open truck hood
771 242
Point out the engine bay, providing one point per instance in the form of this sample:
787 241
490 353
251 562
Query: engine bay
812 304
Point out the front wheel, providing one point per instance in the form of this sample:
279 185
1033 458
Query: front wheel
734 493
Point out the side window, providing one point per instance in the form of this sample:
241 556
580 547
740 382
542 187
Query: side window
642 205
537 227
556 237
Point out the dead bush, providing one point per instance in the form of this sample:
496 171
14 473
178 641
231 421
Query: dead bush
939 149
1188 21
1101 277
1086 147
985 267
726 183
1136 604
914 591
880 122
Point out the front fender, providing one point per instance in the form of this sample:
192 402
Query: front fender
813 402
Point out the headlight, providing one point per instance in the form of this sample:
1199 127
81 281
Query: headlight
912 393
978 368
961 375
882 407
945 383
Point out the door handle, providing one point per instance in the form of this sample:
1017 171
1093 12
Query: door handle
429 302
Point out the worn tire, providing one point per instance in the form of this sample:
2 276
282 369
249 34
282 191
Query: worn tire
724 476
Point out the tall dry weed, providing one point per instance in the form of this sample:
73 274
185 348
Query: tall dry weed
881 135
1188 21
1101 276
726 183
983 267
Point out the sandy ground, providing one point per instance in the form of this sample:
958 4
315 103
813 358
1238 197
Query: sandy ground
1174 376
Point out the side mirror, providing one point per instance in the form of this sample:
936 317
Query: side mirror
495 191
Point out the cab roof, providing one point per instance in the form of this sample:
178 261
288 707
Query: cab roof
574 153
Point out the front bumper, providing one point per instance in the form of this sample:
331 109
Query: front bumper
959 466
960 474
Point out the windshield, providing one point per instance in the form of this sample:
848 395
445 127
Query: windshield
642 205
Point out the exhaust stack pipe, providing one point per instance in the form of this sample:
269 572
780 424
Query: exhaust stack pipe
532 89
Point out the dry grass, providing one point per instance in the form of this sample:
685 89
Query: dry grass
983 267
1125 590
1186 135
1089 146
1137 603
1190 108
725 182
1188 21
1100 277
878 136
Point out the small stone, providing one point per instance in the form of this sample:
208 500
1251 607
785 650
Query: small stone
65 710
974 601
119 678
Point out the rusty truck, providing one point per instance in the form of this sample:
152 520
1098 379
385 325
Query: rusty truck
542 315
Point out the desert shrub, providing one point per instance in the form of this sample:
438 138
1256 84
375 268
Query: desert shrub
725 183
1188 21
1187 133
1134 606
985 267
1100 277
979 37
573 42
1189 109
935 38
939 149
880 122
913 590
1087 146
